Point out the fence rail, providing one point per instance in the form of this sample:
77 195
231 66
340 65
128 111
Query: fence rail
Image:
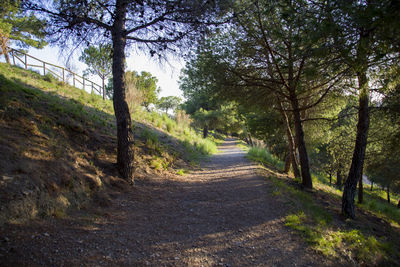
61 73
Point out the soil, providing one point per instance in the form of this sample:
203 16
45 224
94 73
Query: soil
219 215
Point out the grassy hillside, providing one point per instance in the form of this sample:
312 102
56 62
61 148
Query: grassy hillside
58 146
372 239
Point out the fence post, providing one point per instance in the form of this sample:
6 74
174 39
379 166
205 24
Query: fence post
26 62
44 68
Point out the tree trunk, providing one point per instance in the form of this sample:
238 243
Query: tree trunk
125 149
104 89
360 190
292 147
339 180
205 131
388 193
287 163
305 167
250 140
330 178
372 184
359 149
7 57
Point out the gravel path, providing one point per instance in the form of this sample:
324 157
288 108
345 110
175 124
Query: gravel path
221 215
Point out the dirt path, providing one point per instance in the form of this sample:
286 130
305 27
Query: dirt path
221 215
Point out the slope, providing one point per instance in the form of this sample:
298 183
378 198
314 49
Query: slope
57 147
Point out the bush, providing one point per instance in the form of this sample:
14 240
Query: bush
264 156
206 146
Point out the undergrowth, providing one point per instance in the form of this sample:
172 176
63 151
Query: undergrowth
318 225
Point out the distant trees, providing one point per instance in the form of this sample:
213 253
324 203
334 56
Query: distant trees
155 26
167 103
99 61
19 27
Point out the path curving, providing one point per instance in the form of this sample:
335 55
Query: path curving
221 215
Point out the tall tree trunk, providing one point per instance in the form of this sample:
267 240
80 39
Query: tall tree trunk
125 149
205 131
250 140
339 179
287 163
305 167
360 190
6 56
359 149
330 178
292 147
357 161
104 89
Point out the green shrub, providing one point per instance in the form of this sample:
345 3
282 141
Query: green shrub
264 156
206 146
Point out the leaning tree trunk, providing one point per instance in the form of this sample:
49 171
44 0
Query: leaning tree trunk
357 161
305 167
125 149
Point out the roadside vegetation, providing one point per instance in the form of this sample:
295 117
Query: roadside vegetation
58 141
371 240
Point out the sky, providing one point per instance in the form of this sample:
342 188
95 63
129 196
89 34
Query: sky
166 73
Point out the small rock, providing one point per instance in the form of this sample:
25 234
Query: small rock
46 234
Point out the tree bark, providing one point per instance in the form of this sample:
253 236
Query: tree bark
250 140
125 149
205 131
305 167
7 58
292 146
104 89
287 163
357 161
359 150
360 190
339 180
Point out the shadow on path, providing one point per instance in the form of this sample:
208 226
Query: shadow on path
220 215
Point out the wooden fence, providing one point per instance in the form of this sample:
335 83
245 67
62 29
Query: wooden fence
61 73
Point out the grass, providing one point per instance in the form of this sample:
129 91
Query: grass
58 139
319 225
263 156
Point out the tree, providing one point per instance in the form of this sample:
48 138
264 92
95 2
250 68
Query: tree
364 38
147 84
169 102
277 50
152 25
19 28
99 61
